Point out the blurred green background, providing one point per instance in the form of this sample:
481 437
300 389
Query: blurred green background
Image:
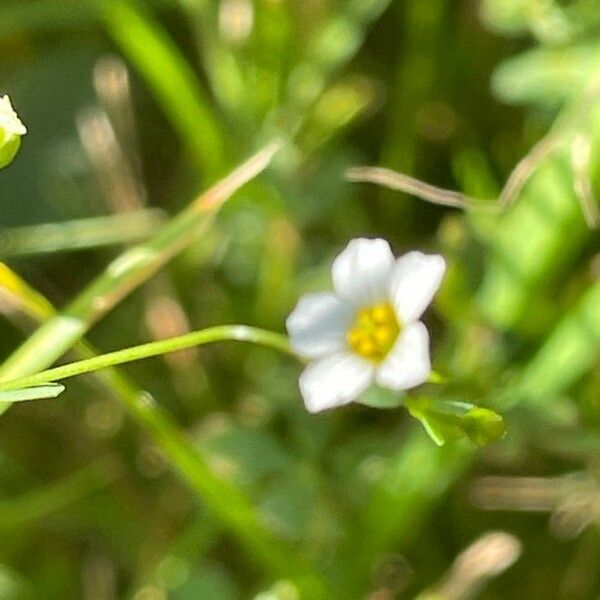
216 483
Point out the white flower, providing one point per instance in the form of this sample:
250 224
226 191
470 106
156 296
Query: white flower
10 124
369 329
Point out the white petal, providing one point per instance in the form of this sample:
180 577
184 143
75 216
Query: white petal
335 380
407 364
415 278
9 121
361 272
318 325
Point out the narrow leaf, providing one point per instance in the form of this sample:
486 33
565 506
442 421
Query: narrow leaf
39 392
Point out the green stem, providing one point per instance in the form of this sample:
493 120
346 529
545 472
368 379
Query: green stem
219 333
228 504
126 273
91 232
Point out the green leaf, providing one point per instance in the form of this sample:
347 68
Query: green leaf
506 16
439 431
546 76
38 392
377 397
570 350
446 420
440 428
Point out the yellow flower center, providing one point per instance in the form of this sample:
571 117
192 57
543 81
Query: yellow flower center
374 332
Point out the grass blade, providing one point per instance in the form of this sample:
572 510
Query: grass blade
172 80
127 273
80 234
230 506
38 392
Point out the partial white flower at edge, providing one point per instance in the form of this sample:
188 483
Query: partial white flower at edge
10 124
368 330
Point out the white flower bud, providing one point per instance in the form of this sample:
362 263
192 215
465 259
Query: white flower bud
11 130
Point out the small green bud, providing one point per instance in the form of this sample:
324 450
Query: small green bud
11 130
447 420
483 426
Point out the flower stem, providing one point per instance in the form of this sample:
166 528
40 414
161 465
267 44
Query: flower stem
128 272
229 505
210 335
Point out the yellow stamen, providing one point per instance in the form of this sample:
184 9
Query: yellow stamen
374 332
382 314
383 336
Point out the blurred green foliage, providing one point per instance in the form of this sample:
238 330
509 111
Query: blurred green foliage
201 475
